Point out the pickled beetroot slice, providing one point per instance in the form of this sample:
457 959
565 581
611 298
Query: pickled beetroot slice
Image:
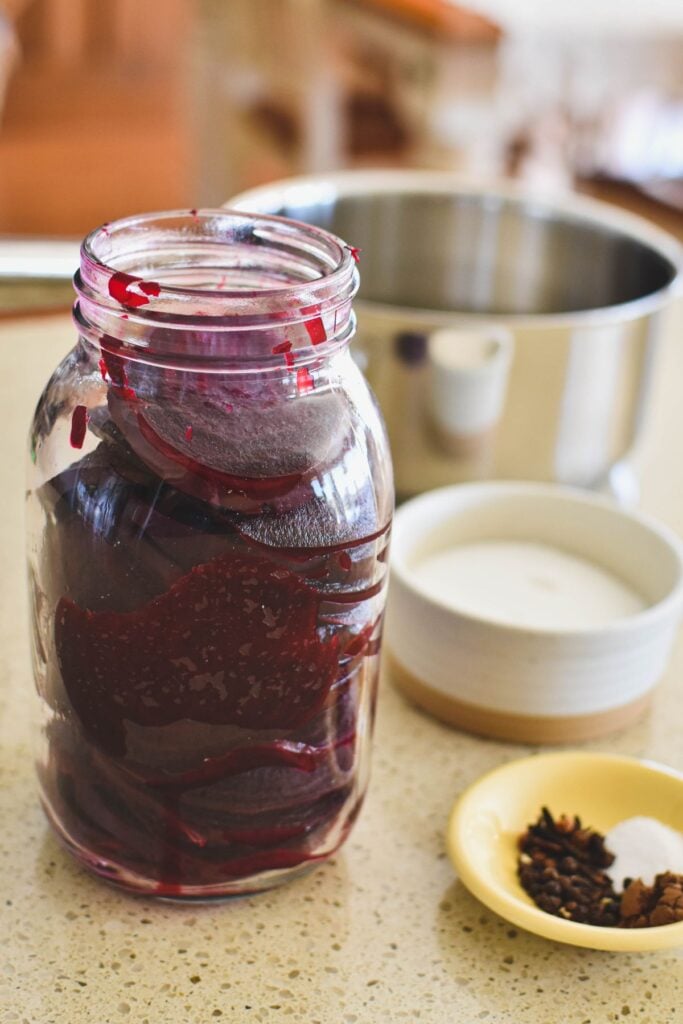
234 641
224 461
254 487
140 820
280 753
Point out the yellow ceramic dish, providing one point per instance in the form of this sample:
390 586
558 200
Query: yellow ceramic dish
602 789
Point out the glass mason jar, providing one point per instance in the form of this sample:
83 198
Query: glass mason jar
209 509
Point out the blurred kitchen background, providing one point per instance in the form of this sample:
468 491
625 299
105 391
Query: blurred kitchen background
109 108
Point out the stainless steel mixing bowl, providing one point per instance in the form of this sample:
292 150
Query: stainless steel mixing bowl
578 287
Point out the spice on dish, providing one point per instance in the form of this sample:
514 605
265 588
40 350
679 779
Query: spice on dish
645 906
568 870
562 867
643 848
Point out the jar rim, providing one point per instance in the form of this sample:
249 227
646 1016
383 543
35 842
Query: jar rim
215 272
340 256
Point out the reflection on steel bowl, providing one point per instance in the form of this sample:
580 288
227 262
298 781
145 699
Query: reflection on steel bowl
577 286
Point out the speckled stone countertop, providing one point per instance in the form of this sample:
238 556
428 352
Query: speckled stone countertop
384 932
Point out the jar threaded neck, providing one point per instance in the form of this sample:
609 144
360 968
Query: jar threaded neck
234 290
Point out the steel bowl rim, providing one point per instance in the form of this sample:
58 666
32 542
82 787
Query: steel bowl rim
569 206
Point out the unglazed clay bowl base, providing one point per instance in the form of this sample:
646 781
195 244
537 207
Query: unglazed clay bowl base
504 725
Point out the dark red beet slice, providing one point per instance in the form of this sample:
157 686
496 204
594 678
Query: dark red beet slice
274 790
122 536
187 749
139 823
174 835
224 459
253 800
284 827
243 759
234 641
315 526
116 537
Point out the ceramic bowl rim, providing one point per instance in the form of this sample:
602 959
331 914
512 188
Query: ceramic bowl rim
661 609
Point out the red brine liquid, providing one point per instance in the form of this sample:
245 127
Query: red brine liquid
213 646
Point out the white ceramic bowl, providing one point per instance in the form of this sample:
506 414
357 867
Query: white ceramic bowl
513 678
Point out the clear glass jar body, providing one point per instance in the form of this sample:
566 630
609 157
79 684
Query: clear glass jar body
210 500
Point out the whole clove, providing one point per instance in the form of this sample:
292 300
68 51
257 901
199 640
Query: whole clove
561 867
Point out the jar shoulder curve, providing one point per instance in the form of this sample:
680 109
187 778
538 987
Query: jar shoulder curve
75 381
367 412
247 446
